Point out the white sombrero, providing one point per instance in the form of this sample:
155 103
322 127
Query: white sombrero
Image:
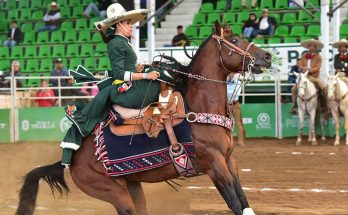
340 43
116 13
317 43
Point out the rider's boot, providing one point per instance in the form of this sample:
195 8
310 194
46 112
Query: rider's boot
294 102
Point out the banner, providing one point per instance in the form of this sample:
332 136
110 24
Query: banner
258 120
42 124
5 125
290 124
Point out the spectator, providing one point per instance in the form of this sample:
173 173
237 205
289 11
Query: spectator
51 18
180 39
99 10
59 71
266 25
40 94
250 25
15 70
252 3
73 92
14 35
234 88
292 77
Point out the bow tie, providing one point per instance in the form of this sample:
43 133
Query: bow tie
309 55
343 57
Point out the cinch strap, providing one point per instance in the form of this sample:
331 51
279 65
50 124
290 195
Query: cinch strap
209 118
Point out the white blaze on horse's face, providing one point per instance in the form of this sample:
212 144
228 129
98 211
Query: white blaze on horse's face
302 85
331 87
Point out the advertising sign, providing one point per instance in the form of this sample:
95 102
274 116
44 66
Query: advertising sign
4 125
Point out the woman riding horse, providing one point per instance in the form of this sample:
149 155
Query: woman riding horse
126 85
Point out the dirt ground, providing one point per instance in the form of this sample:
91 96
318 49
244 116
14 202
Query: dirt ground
277 176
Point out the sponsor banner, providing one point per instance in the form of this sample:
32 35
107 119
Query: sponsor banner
290 124
5 126
258 120
42 124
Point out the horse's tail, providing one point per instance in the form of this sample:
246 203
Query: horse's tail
53 175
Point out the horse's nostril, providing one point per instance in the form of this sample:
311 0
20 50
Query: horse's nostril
268 57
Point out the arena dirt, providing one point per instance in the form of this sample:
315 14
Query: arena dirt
278 177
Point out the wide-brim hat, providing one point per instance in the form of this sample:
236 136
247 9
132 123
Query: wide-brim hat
343 42
315 42
116 13
53 4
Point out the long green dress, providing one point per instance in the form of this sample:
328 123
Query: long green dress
123 61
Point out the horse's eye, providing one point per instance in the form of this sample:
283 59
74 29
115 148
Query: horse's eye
234 41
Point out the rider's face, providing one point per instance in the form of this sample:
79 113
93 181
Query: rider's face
125 28
343 49
312 48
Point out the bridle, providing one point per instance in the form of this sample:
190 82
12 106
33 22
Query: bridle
235 49
338 100
305 89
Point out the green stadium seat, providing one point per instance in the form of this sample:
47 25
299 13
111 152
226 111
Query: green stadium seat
70 37
32 65
38 25
266 4
289 18
37 4
66 26
344 29
62 3
37 15
314 2
23 4
16 52
74 62
3 37
96 38
306 38
237 29
282 31
313 31
220 6
297 31
77 12
290 40
90 63
65 12
12 14
72 50
26 28
230 18
81 24
74 2
103 64
84 36
207 8
44 51
29 38
259 41
91 22
281 4
242 17
25 14
11 4
2 15
274 40
42 37
191 31
4 53
5 65
276 16
303 16
199 19
196 42
101 49
57 37
87 50
3 26
46 65
213 17
46 3
58 51
236 5
205 32
30 52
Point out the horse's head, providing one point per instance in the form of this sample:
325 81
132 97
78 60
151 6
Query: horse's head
331 86
302 84
237 55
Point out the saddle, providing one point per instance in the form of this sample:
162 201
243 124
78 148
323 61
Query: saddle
166 113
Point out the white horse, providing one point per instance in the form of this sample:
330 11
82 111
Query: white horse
307 100
338 100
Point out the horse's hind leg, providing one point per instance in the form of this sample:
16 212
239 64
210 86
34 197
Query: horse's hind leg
225 184
138 196
301 121
335 115
313 138
322 121
346 125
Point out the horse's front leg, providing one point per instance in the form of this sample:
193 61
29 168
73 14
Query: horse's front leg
322 122
225 183
301 121
312 126
336 115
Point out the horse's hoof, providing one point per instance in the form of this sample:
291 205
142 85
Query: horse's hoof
314 143
323 138
248 211
298 143
336 143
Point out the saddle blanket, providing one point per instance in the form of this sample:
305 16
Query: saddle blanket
120 157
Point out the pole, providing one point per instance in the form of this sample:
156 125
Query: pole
13 106
136 30
151 6
336 25
324 38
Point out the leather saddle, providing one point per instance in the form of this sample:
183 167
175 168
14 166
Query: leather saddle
150 120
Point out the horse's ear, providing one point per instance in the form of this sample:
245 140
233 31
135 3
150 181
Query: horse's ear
336 75
217 28
306 73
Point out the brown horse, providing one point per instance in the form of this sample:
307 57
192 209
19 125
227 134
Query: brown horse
221 54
